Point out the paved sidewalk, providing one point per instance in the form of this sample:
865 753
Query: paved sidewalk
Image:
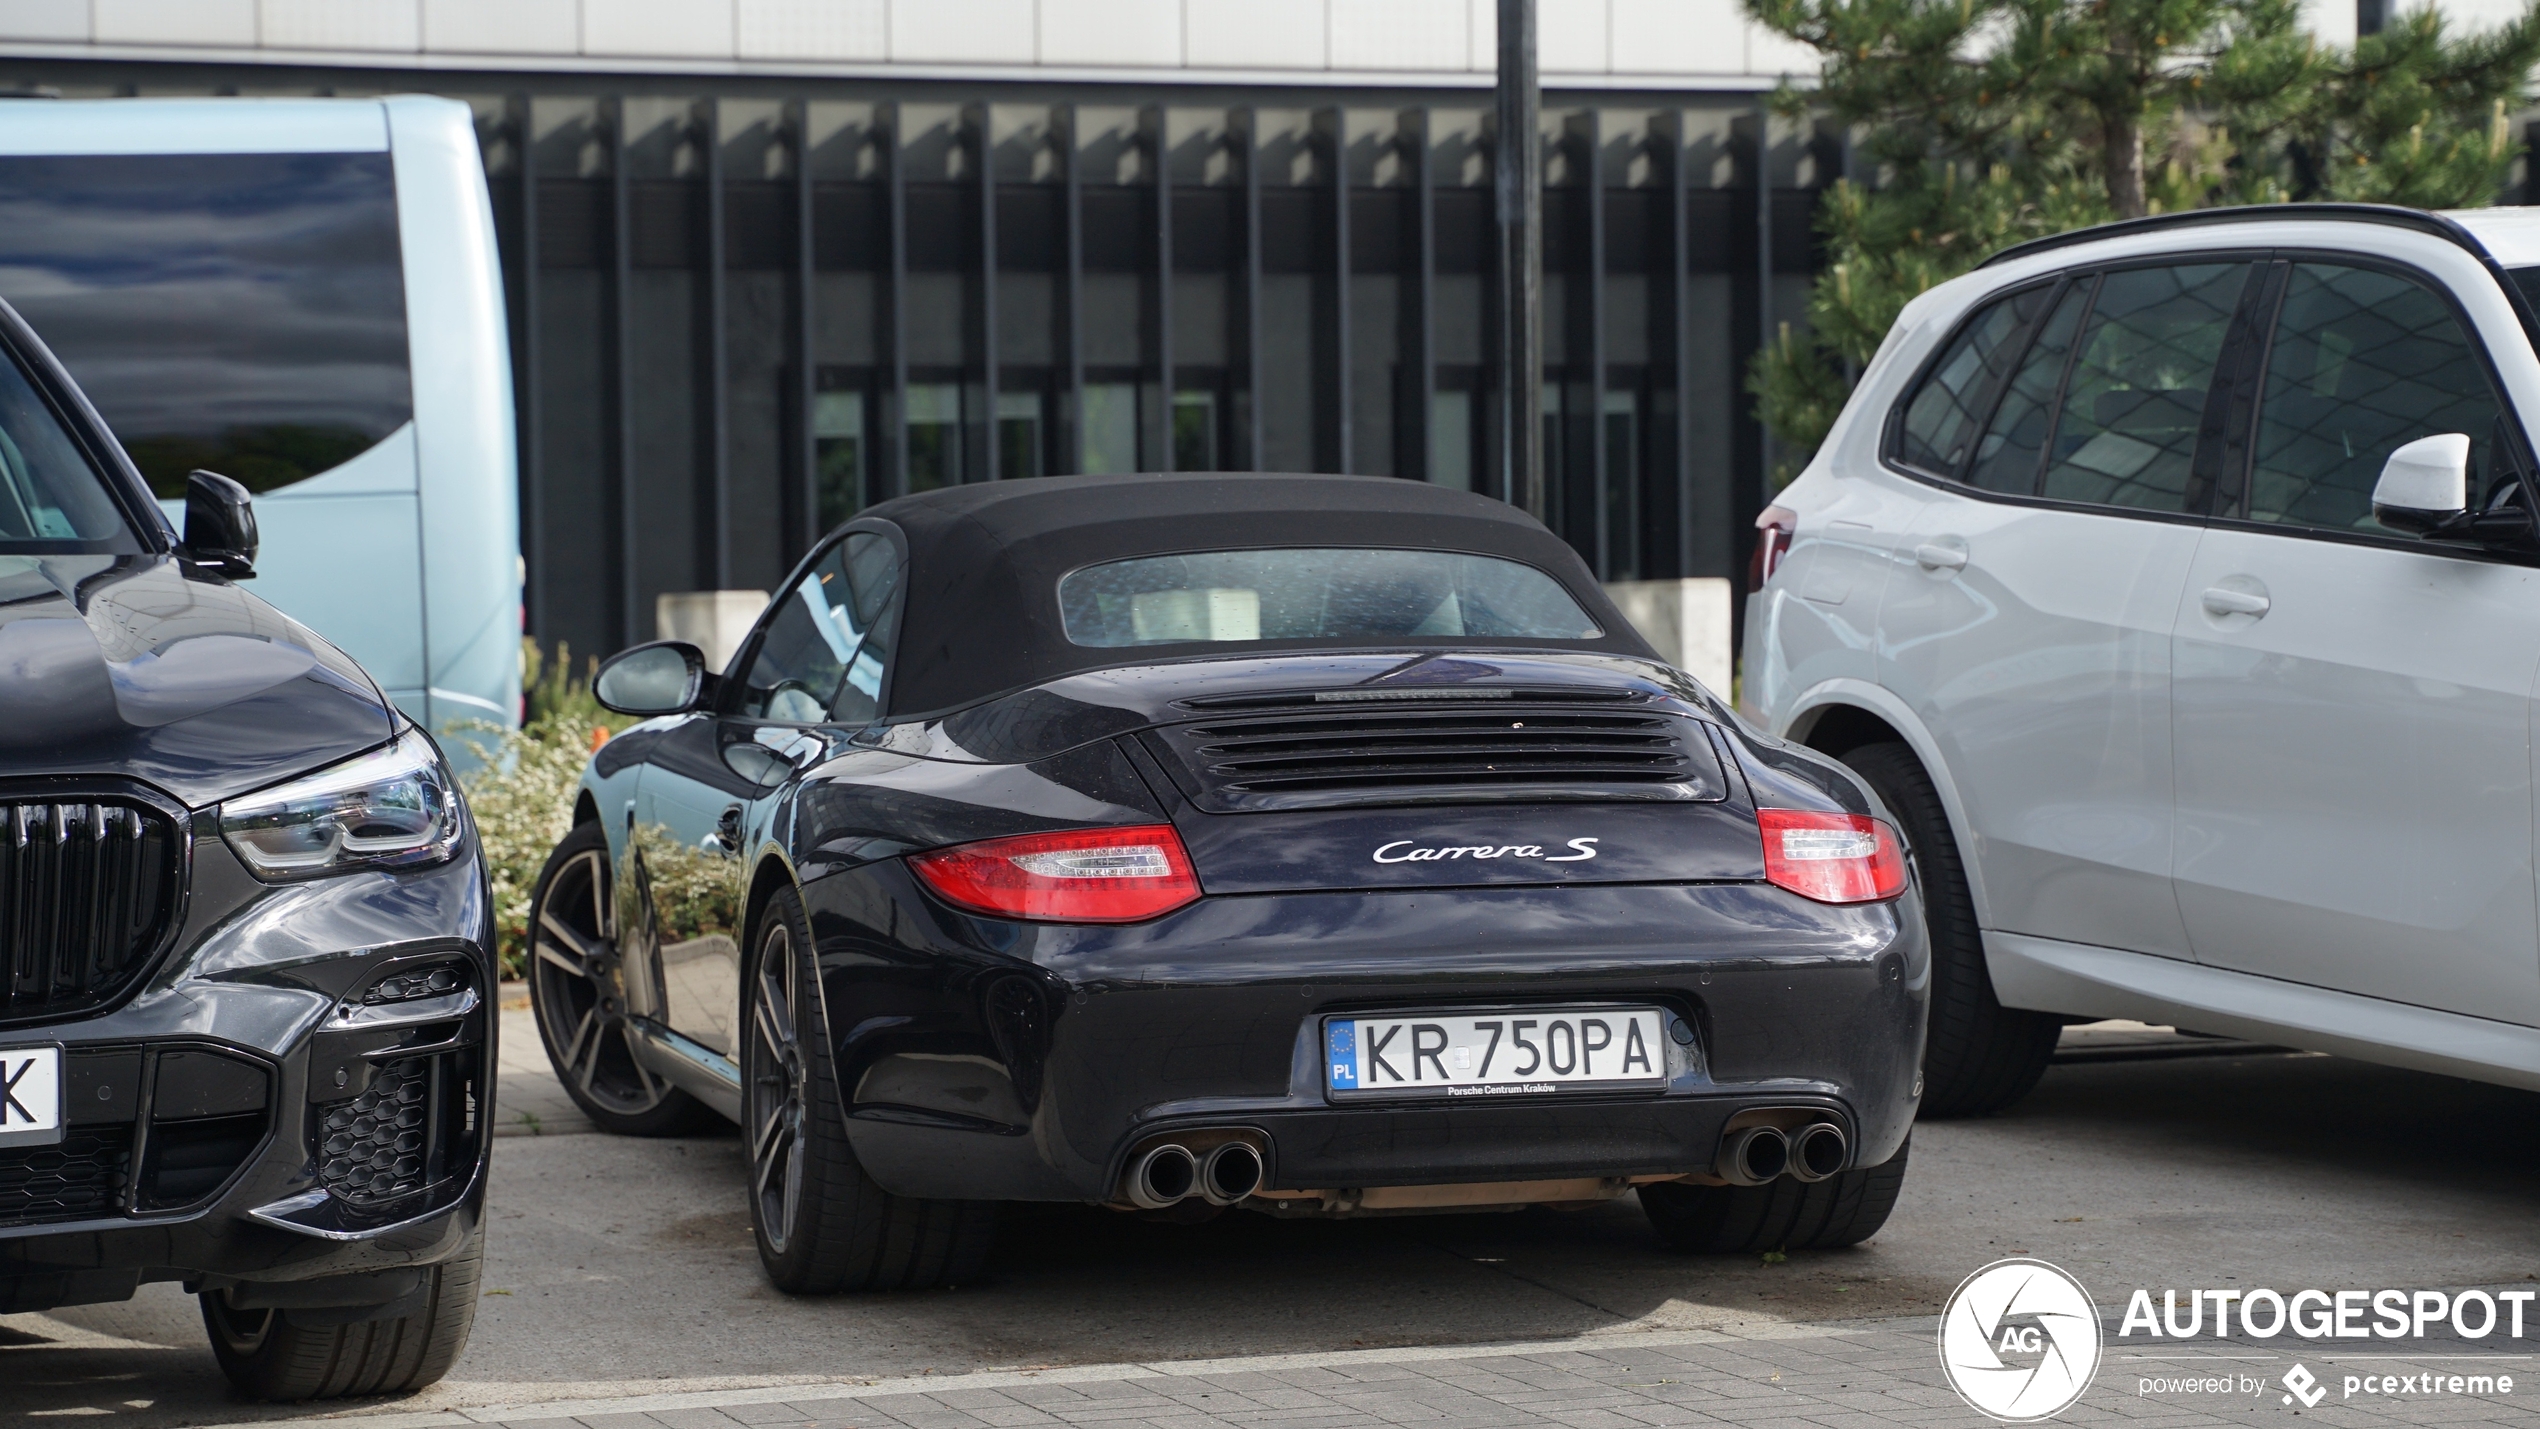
1860 1375
528 1100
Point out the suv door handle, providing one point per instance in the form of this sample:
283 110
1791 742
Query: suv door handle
1932 556
2222 600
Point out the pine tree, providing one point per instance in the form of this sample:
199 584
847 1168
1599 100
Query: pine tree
1985 122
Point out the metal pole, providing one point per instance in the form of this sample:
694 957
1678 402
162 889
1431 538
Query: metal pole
1518 162
1764 257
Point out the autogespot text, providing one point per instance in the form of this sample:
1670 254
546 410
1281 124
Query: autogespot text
2324 1315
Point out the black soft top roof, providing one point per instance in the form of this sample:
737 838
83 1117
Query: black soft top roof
982 616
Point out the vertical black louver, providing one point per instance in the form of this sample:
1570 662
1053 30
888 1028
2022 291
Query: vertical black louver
86 891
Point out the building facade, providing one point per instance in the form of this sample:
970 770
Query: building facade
770 261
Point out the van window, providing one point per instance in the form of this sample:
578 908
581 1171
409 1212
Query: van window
243 313
1946 411
2136 397
2363 362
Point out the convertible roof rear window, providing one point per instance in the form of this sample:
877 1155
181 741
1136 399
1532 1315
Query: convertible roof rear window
1314 593
986 615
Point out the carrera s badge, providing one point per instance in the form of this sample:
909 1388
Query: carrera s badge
1581 850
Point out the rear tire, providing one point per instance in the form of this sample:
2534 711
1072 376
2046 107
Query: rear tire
1978 1056
269 1357
821 1224
1846 1208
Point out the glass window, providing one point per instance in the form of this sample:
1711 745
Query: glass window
822 656
1195 431
2363 361
1314 594
2136 398
1018 434
51 499
240 312
1942 416
934 436
838 449
1110 428
2007 458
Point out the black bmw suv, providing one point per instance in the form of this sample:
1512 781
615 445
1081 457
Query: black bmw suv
246 1037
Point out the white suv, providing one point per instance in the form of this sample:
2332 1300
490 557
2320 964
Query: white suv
2176 583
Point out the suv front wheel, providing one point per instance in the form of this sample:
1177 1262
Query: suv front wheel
288 1355
1978 1056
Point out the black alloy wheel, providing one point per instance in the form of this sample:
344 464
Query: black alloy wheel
775 1090
822 1225
577 988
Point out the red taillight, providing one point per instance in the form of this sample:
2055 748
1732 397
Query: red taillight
1772 541
1833 858
1082 876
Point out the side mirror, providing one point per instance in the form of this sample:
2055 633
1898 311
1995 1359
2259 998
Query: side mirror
2424 486
220 525
666 677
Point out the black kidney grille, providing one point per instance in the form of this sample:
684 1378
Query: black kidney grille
80 1177
86 892
1431 747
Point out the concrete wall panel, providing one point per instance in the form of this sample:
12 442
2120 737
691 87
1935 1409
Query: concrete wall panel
502 27
1254 34
838 30
1111 32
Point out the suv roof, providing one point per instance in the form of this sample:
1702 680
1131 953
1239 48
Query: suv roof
2441 225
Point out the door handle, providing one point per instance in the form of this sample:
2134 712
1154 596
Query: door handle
2222 600
727 829
1932 556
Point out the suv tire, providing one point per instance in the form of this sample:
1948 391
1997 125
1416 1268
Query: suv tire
1978 1056
821 1224
1846 1208
271 1355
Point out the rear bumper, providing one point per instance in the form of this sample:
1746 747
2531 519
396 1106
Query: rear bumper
1007 1061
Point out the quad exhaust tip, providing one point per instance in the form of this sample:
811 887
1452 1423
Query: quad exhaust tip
1162 1177
1757 1155
1819 1151
1231 1172
1754 1155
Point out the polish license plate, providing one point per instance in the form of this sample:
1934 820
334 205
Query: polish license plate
1500 1053
30 1096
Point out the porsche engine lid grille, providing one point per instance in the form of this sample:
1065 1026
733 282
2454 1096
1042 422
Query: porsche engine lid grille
1298 755
86 892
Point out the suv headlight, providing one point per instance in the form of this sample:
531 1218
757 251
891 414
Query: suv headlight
390 808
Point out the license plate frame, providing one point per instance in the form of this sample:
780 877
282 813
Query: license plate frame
30 1093
1356 1041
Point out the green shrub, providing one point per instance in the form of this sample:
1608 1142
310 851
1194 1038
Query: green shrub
522 792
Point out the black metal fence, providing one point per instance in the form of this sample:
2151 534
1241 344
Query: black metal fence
750 315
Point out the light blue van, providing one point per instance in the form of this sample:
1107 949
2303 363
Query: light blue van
302 294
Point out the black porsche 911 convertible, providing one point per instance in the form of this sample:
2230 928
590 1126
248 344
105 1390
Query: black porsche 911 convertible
1318 846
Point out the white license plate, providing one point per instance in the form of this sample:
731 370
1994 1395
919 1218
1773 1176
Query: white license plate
30 1096
1517 1052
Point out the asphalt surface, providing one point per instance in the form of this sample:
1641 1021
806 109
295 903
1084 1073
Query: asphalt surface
622 1267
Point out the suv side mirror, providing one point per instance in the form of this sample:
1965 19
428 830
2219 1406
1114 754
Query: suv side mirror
2424 486
666 677
220 525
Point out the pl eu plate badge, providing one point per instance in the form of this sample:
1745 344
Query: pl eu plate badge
30 1096
1343 1051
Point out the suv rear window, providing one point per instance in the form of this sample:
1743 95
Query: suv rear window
1317 593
